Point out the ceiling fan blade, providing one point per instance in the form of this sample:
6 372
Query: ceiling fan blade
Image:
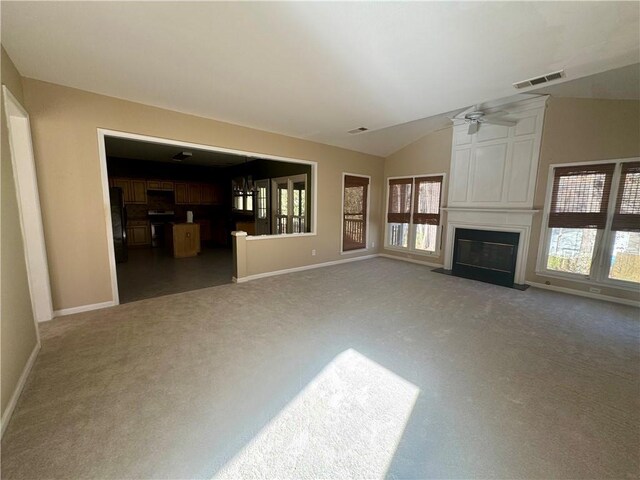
460 115
500 121
473 128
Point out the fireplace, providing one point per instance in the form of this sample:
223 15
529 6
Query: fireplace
489 256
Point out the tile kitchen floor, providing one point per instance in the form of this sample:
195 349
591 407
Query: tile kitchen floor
152 272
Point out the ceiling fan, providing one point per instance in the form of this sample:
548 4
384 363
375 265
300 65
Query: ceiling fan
474 116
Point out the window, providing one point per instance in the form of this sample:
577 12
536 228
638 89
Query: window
593 224
290 204
414 225
354 212
242 195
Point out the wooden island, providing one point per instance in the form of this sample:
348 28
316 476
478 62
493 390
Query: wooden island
183 239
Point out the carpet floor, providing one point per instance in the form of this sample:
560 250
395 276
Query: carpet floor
372 369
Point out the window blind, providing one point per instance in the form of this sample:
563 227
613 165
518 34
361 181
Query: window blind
580 196
399 210
426 209
355 213
627 213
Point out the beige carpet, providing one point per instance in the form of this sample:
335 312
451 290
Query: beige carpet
302 375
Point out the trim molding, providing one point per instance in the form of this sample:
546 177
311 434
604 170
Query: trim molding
580 293
248 278
411 260
83 308
13 401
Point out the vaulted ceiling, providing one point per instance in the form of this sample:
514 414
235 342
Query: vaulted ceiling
317 70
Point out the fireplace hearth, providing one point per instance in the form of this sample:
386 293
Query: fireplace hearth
488 256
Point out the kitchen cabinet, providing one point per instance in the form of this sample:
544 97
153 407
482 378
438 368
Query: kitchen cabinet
138 191
195 193
160 185
181 193
138 233
192 193
206 196
184 239
134 191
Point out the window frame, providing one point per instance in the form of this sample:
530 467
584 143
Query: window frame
368 205
411 235
605 238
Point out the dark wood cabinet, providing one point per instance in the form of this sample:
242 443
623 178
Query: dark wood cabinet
134 191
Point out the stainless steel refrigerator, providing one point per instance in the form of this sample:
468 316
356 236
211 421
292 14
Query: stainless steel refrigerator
118 224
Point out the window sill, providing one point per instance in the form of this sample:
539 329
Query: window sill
587 281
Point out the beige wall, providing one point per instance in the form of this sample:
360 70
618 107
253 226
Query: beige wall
575 130
428 155
17 331
64 123
582 130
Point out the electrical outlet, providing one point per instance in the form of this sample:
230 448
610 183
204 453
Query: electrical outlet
594 290
313 252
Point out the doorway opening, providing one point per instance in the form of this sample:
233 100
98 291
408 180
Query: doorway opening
174 205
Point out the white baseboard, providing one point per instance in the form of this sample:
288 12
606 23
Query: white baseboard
83 308
580 293
8 411
411 260
248 278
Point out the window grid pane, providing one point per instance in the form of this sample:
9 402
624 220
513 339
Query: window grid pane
625 257
571 250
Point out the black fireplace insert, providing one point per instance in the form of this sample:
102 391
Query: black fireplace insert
489 256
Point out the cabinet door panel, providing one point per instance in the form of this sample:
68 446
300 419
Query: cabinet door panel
181 194
139 191
125 185
207 194
195 193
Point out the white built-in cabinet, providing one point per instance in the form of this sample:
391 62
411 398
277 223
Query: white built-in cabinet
497 166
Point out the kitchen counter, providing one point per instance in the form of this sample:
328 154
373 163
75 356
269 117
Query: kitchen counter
183 239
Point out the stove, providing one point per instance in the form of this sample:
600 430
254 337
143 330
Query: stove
159 218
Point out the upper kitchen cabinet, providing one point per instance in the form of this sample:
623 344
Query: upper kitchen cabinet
181 193
134 191
195 193
160 185
190 193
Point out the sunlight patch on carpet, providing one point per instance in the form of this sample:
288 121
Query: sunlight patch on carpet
346 423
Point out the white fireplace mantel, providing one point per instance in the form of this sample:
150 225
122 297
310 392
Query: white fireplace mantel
493 219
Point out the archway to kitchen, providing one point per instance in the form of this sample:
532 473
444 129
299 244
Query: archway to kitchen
173 206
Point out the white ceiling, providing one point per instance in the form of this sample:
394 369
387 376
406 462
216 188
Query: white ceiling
316 70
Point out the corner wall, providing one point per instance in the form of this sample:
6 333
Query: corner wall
64 122
18 332
429 155
582 130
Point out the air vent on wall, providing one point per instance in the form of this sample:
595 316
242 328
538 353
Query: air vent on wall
549 77
358 130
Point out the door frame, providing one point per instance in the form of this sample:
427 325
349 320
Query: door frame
102 154
29 212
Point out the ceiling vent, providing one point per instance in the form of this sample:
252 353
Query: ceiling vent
178 157
357 130
549 77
